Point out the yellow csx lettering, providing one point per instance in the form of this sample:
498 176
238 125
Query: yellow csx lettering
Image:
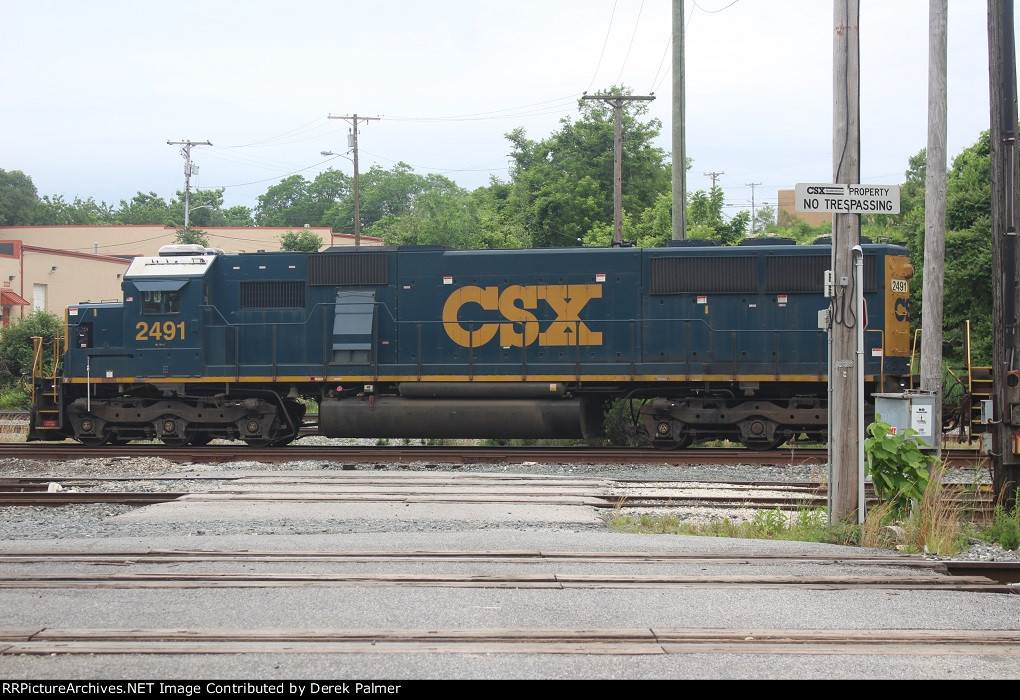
513 303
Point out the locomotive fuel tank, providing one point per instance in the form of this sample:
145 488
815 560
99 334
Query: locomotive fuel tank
395 417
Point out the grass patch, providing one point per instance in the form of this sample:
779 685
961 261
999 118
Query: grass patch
1005 527
805 525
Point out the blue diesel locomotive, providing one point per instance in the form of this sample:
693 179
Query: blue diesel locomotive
423 342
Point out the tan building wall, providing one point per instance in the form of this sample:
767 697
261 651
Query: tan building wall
148 239
36 278
788 205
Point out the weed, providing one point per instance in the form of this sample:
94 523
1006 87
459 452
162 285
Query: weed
769 523
934 525
898 468
874 523
1005 527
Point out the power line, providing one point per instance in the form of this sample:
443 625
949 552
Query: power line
712 12
605 43
631 44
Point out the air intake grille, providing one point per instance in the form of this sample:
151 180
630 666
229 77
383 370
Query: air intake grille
704 275
272 295
348 269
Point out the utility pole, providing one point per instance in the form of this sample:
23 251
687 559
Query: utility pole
845 438
935 216
617 102
715 176
186 152
354 119
1005 427
752 185
679 126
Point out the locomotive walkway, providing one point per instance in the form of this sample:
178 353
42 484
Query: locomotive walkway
343 575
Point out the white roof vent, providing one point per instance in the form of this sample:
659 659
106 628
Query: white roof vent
187 249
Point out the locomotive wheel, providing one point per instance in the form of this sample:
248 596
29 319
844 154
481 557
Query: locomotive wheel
257 442
200 439
95 441
175 441
765 445
682 431
679 444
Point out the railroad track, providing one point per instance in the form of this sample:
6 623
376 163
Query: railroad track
917 573
625 642
437 455
976 501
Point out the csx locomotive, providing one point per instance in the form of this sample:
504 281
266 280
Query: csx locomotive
421 342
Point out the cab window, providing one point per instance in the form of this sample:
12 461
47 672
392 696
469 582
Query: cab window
161 302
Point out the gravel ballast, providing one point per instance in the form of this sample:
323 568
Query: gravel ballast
157 474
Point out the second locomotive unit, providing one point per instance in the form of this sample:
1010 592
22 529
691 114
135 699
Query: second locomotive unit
426 342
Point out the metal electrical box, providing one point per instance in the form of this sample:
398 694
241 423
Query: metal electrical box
911 409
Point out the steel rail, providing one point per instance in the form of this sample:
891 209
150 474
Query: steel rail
433 455
639 641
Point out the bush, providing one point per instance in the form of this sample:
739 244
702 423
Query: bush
898 468
13 398
16 342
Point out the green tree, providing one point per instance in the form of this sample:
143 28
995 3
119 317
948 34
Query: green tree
295 202
19 200
145 208
238 215
562 186
192 236
705 218
967 269
765 219
55 211
285 204
303 240
16 348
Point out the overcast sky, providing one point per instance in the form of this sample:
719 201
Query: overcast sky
93 89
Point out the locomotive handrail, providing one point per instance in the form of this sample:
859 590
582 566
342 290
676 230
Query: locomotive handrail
691 345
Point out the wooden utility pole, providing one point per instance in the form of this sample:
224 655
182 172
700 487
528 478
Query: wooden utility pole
845 439
935 216
617 102
186 152
715 176
679 127
354 119
1005 173
752 185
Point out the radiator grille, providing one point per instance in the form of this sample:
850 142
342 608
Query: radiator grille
348 269
806 273
704 275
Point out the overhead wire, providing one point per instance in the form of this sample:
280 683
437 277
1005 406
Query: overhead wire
631 44
605 43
